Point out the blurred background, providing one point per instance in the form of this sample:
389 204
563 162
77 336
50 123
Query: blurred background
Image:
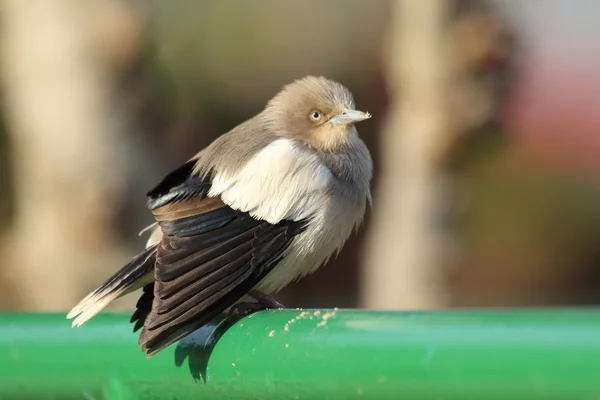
485 137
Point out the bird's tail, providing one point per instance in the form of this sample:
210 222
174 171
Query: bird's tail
138 272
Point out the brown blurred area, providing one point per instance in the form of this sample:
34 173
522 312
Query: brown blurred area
485 139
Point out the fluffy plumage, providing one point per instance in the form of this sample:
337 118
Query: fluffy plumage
264 204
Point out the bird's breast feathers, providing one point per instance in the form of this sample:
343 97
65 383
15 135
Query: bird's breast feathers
280 182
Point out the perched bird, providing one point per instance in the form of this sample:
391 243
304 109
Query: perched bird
264 204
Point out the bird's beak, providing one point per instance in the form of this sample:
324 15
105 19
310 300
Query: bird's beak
349 117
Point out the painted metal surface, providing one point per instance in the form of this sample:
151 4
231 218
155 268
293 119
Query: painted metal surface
315 354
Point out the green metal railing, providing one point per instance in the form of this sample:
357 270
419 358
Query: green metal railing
326 354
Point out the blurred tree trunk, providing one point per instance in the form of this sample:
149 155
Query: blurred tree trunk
68 155
403 249
448 70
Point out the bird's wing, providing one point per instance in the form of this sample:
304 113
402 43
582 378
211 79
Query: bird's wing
210 255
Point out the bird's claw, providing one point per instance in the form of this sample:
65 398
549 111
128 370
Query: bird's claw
266 300
263 302
239 310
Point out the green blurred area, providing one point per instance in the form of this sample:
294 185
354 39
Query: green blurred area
314 354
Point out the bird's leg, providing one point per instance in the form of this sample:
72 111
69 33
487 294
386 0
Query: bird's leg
263 302
267 300
244 308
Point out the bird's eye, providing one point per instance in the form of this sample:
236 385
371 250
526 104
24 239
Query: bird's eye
315 115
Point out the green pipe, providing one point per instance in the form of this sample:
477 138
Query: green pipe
326 354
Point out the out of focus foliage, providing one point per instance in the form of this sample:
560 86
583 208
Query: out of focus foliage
525 229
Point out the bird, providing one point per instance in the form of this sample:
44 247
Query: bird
263 205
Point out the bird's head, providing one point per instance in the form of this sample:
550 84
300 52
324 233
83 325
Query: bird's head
317 111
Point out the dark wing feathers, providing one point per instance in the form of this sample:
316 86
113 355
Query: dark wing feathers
186 208
196 225
143 307
131 273
172 181
201 294
209 257
178 258
178 186
211 280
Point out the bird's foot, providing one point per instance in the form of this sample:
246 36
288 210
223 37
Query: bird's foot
263 302
239 310
266 300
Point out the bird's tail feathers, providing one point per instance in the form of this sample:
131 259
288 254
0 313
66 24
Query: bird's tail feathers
132 276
